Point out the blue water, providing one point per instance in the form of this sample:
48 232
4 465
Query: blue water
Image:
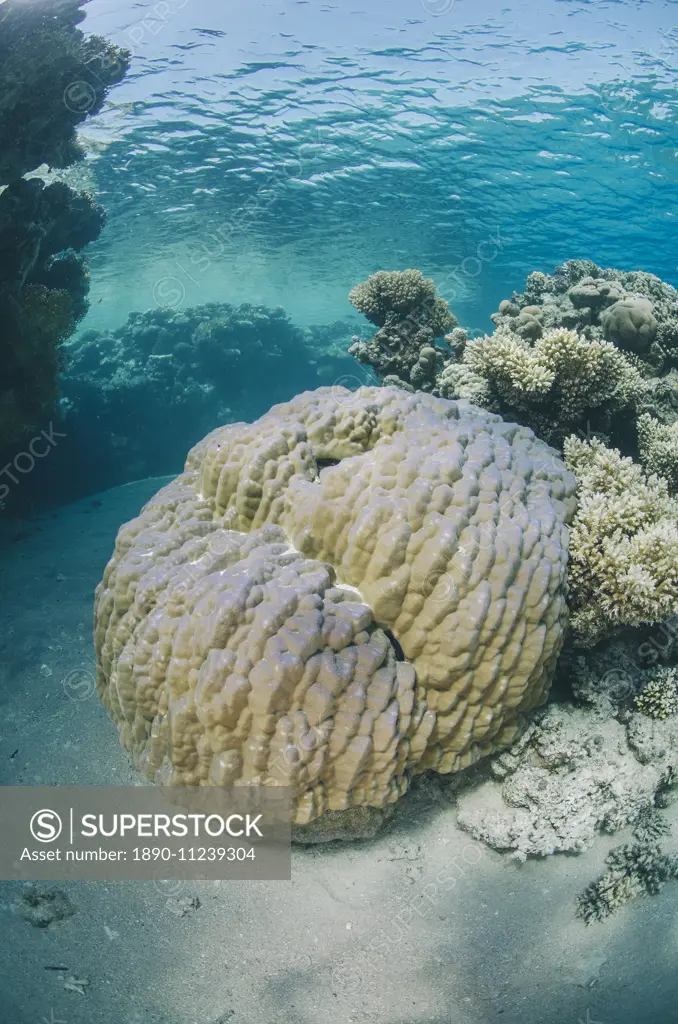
280 152
274 154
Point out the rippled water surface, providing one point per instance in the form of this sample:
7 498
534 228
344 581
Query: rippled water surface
279 152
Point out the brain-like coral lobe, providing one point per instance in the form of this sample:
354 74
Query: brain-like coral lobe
354 588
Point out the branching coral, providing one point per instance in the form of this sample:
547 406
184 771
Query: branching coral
658 448
633 869
623 567
659 696
410 316
558 384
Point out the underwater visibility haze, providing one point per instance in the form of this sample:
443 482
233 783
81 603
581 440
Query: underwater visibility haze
339 499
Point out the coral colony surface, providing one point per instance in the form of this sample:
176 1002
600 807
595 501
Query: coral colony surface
392 573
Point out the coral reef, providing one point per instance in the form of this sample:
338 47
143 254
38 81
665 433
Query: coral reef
557 384
43 289
658 448
135 399
659 696
52 77
623 566
357 586
641 868
410 316
633 309
48 69
572 774
584 350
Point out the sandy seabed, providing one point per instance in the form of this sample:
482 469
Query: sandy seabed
421 925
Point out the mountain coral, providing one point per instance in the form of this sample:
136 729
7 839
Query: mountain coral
623 566
355 587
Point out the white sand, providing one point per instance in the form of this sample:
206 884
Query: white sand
422 924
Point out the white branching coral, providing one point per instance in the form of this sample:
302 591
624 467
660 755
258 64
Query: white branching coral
659 696
658 448
551 384
623 567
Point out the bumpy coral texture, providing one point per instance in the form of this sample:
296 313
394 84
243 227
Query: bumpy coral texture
553 385
353 588
624 543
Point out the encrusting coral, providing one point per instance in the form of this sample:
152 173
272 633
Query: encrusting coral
404 305
571 775
623 563
356 587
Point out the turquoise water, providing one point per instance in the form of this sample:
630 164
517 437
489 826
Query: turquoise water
278 153
257 162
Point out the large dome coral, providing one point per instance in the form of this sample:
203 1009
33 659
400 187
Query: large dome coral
356 587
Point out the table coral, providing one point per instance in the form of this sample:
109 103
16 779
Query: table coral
356 587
